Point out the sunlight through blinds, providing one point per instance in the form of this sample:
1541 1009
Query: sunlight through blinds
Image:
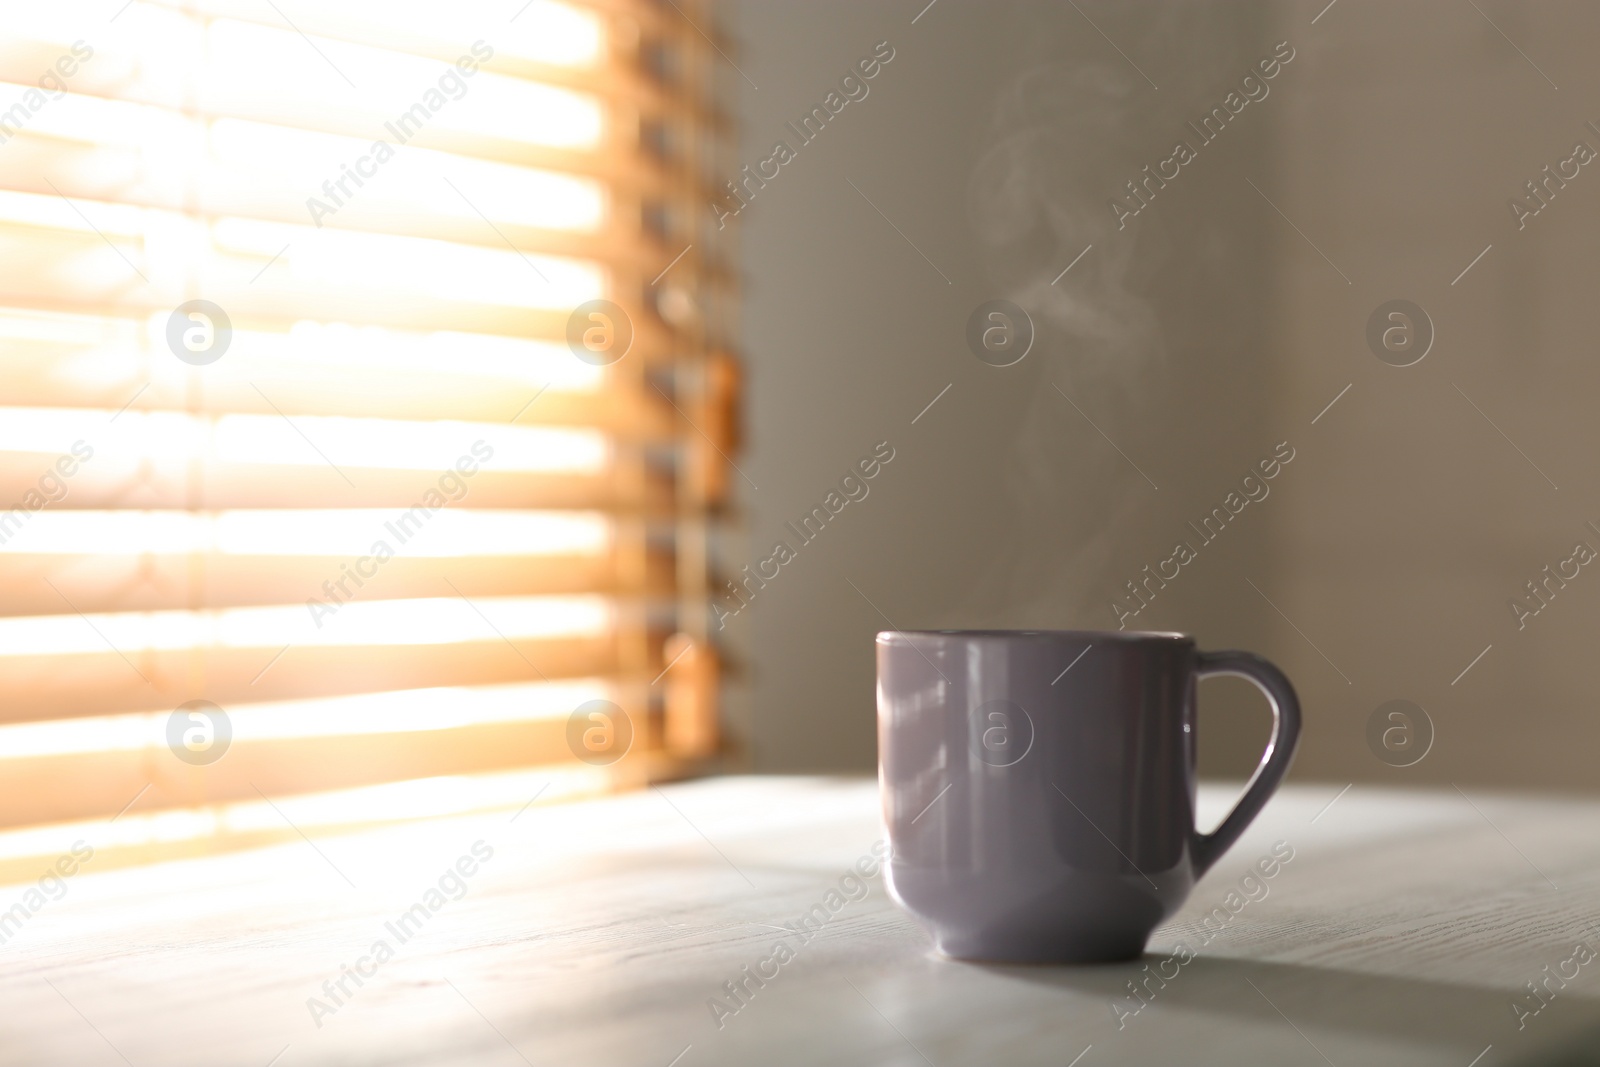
368 399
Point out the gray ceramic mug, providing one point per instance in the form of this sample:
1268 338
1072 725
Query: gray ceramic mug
1039 786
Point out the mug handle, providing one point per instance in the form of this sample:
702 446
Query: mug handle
1206 849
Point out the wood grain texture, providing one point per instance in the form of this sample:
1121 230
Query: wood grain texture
1401 932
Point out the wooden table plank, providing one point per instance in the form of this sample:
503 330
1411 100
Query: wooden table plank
1401 932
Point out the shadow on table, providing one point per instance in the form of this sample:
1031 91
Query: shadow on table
1429 1013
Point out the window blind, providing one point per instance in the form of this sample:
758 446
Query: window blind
366 410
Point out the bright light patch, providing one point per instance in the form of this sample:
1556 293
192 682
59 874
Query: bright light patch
449 534
402 711
240 57
52 212
396 266
251 154
382 622
171 437
394 802
232 160
93 351
546 31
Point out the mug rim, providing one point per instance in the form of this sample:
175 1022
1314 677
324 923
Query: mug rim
1086 635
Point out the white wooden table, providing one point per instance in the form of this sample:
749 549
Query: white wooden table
1402 932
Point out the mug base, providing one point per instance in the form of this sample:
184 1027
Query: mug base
1039 951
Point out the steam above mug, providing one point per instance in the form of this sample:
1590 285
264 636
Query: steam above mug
1039 786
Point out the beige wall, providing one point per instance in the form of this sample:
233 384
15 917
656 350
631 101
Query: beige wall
1198 338
1418 521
